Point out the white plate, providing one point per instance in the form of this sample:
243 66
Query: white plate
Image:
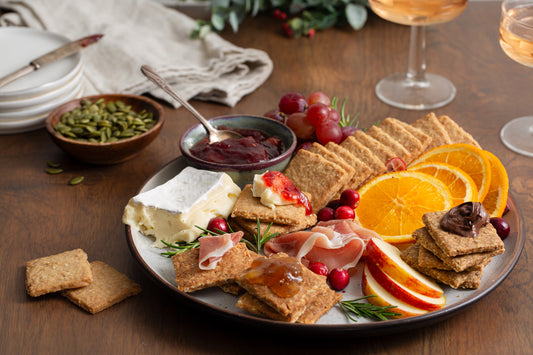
19 46
162 271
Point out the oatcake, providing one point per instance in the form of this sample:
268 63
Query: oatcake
431 126
465 279
383 137
69 269
399 133
424 139
379 149
457 263
365 155
108 288
319 149
190 278
452 244
362 171
292 308
316 175
250 207
457 133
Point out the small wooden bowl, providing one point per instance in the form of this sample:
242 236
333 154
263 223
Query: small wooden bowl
107 153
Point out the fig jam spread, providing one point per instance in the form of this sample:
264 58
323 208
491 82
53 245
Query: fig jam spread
253 147
284 187
465 220
282 275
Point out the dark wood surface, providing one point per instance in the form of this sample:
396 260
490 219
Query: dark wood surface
41 215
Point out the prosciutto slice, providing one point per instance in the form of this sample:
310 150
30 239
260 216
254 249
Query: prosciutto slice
335 243
213 248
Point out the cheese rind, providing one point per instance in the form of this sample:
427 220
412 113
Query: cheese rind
170 211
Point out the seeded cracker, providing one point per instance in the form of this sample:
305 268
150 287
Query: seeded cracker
108 288
466 279
431 126
249 226
452 244
383 137
424 139
457 133
379 149
190 278
315 174
58 272
397 131
250 207
365 155
362 171
319 149
457 263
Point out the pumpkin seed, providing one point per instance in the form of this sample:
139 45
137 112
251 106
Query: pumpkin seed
76 180
53 171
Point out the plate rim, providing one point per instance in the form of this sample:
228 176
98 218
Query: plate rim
352 329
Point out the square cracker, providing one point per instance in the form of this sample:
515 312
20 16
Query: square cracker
291 308
69 269
452 244
431 126
319 149
456 263
250 207
362 171
379 149
316 175
383 137
108 288
457 133
190 278
249 227
365 155
465 279
424 139
398 132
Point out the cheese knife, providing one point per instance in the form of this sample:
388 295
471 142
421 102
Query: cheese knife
50 57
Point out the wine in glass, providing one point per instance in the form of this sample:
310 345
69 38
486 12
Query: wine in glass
516 40
416 89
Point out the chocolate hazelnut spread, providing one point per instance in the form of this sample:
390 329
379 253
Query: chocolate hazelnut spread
465 220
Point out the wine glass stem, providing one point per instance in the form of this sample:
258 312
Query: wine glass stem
416 71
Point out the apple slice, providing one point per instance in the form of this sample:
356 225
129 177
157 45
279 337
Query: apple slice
387 257
383 298
403 293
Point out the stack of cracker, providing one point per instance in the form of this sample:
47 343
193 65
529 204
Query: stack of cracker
450 258
285 219
93 286
314 298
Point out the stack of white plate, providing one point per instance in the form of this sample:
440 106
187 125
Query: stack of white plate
26 102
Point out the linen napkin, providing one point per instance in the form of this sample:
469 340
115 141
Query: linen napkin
138 32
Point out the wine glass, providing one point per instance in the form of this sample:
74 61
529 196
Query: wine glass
416 89
516 40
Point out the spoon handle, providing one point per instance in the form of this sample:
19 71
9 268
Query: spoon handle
162 83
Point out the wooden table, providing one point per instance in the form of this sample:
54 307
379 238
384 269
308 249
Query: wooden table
41 215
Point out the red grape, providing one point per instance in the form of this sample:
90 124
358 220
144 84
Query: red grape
330 132
300 125
396 164
304 145
502 227
334 204
348 131
325 214
334 116
338 279
318 268
292 102
218 224
317 114
318 96
350 197
275 114
344 212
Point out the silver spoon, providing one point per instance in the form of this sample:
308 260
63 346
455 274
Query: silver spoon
215 135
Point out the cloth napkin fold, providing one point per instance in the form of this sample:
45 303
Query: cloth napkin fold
138 32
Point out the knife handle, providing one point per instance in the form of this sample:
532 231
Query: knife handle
15 75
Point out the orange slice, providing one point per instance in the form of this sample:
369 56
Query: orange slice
462 186
466 157
496 199
392 204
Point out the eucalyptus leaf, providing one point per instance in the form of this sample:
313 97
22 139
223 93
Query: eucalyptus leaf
217 21
233 20
220 3
356 15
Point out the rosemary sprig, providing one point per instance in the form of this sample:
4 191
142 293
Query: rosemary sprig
366 310
180 247
260 240
345 119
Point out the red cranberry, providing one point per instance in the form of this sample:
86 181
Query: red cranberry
344 212
325 214
218 224
338 279
318 268
396 164
502 227
350 198
507 208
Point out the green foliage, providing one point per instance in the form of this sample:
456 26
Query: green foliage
303 17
